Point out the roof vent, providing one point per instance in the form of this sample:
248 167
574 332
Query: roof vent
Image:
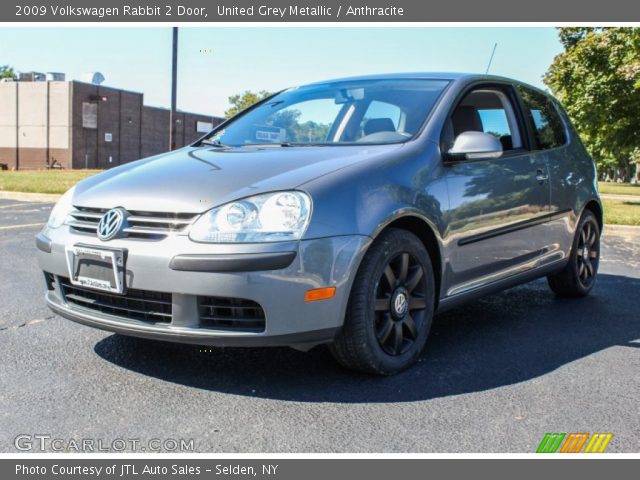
95 78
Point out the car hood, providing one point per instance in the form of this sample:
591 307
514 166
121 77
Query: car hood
195 179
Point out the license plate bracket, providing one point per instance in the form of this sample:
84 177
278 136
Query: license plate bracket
96 268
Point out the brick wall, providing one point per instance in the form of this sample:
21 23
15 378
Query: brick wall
136 131
125 130
41 111
116 136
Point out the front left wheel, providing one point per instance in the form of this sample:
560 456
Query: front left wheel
390 307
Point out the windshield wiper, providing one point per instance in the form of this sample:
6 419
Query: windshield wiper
214 143
280 144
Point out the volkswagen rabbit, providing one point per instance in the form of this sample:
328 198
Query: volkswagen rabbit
345 212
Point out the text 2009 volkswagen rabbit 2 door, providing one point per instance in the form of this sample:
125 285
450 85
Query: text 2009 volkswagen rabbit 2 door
344 212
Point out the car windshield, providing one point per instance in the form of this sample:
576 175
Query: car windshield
347 112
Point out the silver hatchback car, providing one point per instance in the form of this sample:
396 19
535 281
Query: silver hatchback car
345 212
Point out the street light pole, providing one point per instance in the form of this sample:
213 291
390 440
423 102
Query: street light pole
174 88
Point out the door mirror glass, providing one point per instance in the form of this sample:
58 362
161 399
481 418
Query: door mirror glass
473 145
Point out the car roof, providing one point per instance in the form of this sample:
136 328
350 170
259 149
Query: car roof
411 75
451 76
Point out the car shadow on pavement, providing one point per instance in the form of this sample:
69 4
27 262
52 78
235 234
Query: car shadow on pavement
500 340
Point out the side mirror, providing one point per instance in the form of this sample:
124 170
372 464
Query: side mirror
475 145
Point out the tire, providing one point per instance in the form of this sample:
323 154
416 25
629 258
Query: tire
390 308
579 275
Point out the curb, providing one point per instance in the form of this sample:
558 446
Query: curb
620 196
610 228
30 197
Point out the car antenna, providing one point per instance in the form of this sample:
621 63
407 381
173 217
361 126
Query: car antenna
493 52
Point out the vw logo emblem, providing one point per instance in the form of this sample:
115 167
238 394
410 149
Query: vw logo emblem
111 224
400 304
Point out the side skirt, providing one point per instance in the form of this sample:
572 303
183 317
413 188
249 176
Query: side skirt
454 301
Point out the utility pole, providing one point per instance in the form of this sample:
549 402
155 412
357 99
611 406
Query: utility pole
174 90
17 125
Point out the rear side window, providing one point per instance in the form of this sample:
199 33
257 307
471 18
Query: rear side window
548 127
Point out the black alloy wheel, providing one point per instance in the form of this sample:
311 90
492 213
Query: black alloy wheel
588 253
578 277
400 304
390 306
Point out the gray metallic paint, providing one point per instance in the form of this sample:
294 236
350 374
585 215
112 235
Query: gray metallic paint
357 192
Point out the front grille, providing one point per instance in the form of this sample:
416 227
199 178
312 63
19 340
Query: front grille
144 305
235 314
147 225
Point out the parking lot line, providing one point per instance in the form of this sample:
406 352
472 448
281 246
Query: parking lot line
12 227
13 205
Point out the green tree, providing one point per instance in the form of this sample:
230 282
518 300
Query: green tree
287 119
297 132
597 78
7 72
244 100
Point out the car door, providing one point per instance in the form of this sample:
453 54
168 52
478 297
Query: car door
550 143
496 204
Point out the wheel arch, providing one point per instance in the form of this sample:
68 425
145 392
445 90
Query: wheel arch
595 207
427 233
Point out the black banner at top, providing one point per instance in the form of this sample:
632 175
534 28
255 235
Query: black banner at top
174 11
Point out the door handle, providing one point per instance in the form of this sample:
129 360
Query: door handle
541 176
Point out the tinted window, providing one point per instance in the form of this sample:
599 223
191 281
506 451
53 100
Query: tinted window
307 121
549 129
378 109
488 111
343 112
494 121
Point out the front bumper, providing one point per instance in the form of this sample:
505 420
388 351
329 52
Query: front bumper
189 271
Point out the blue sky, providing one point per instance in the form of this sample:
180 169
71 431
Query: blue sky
216 62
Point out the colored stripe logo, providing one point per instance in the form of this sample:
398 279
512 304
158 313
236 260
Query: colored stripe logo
598 443
574 442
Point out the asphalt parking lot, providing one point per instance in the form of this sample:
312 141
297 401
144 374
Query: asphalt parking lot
495 377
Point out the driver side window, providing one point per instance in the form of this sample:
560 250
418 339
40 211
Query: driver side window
488 111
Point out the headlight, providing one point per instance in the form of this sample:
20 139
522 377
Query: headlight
61 209
271 217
